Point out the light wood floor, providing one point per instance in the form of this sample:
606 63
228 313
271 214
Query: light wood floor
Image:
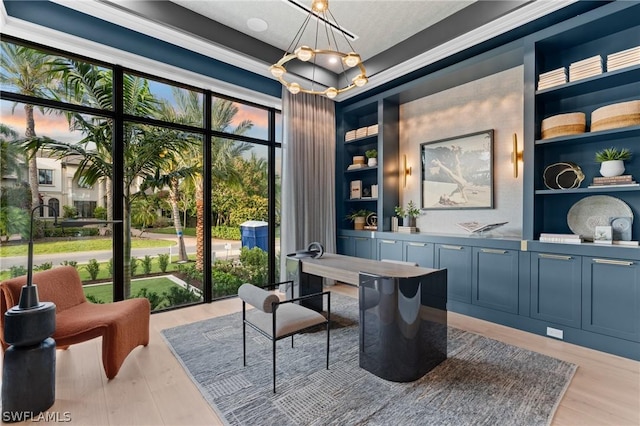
153 389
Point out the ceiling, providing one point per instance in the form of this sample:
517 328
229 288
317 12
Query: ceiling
393 37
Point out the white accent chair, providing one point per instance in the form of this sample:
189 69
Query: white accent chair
277 319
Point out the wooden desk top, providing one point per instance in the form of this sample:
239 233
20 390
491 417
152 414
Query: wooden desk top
347 269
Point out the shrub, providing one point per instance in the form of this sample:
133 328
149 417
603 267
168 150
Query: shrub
163 261
69 212
93 268
100 213
91 298
70 263
226 232
179 296
17 271
146 265
225 283
43 267
155 300
134 266
255 262
110 267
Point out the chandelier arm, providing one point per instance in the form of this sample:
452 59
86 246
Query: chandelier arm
341 31
298 36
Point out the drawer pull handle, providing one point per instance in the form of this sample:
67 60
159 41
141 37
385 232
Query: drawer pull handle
613 262
361 238
418 244
494 251
555 256
388 241
448 247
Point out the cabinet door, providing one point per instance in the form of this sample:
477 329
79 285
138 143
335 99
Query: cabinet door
457 261
420 253
345 245
611 297
389 249
555 288
363 247
495 279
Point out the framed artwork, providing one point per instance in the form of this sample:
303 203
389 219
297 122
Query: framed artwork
457 173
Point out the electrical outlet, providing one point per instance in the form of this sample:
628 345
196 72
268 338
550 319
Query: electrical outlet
554 332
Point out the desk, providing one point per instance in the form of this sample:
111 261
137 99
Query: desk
403 316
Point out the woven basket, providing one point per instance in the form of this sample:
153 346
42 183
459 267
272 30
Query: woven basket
571 123
622 114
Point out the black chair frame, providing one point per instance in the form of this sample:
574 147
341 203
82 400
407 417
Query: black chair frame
272 337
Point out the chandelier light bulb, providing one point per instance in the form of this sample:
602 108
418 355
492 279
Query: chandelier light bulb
360 80
304 53
331 92
352 59
320 5
294 88
277 70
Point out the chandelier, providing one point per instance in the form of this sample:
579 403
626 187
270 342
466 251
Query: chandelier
320 8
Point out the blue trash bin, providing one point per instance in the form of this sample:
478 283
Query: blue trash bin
254 233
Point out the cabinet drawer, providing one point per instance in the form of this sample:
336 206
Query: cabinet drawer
555 288
611 297
457 260
495 279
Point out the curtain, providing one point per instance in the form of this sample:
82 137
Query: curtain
308 173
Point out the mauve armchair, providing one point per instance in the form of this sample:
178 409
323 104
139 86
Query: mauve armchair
123 325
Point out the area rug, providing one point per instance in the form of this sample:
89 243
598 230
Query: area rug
483 381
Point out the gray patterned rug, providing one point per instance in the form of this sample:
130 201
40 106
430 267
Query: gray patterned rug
483 381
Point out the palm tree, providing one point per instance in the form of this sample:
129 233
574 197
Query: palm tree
28 72
9 151
143 146
223 154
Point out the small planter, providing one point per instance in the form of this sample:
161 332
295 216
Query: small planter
358 223
411 222
612 168
372 162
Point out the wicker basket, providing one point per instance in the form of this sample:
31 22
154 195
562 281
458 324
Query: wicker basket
622 114
571 123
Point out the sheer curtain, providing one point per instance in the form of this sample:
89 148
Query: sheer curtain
308 173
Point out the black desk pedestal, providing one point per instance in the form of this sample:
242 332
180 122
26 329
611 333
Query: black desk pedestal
403 325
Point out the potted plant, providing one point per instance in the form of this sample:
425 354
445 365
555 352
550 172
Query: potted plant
358 218
410 213
612 160
372 155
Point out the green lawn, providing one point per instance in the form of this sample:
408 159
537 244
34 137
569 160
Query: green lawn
93 244
104 292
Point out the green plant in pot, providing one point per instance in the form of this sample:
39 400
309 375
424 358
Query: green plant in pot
358 218
372 156
409 214
612 161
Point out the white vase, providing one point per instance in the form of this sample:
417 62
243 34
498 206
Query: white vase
372 162
612 168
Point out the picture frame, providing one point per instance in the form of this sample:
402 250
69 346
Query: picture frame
457 172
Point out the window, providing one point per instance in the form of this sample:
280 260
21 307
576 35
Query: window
45 176
85 208
54 205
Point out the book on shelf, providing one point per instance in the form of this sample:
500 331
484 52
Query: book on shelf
356 189
407 229
479 227
546 237
625 243
613 185
613 179
356 166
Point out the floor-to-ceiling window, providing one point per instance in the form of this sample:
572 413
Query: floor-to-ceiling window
174 171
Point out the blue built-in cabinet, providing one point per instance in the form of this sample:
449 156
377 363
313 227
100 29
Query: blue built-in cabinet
587 293
556 283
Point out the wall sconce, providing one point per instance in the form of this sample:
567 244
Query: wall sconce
406 171
516 155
